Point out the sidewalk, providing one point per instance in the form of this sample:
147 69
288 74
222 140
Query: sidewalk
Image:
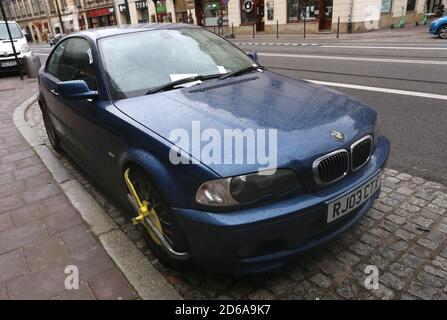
41 233
409 32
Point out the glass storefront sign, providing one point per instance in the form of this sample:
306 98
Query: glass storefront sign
141 5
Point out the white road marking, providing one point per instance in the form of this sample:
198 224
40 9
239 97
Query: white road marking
378 89
386 48
40 54
345 58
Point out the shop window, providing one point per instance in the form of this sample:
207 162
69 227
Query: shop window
298 10
212 10
411 5
386 6
143 14
248 11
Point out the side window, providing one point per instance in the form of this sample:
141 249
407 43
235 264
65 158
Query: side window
77 63
55 59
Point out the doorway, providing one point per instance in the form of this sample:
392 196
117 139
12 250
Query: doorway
260 16
325 16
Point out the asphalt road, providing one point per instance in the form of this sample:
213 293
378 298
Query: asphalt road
413 114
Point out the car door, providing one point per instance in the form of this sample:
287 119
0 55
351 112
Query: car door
75 120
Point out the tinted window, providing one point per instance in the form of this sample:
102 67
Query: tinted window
55 59
77 64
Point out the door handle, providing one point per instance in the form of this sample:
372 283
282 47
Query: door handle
54 93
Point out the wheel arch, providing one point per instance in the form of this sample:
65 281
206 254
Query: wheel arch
162 179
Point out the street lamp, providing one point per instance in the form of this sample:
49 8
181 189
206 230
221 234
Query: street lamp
10 37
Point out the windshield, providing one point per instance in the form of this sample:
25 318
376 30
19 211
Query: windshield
16 33
137 62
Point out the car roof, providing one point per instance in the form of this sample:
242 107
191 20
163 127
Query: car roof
117 30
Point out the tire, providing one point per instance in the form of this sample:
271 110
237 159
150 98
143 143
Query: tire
442 32
51 132
147 191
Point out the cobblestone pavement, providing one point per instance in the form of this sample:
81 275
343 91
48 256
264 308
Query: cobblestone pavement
404 235
40 231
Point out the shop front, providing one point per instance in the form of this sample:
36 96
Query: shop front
252 12
319 11
208 12
162 12
181 12
101 17
142 11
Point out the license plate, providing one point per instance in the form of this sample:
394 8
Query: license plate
353 200
8 64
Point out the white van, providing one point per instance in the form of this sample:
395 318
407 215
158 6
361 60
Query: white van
7 61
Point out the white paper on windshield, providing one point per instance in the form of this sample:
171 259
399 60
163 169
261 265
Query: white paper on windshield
221 69
179 76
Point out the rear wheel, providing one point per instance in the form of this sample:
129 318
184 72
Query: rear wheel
442 33
51 132
161 216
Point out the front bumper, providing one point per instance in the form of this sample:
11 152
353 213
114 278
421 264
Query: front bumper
262 238
434 28
21 58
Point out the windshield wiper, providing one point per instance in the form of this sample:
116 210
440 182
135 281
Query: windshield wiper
173 84
241 71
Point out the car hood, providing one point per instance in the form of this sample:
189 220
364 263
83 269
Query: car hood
302 113
5 45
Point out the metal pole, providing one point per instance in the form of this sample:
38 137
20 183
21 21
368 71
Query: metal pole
277 35
305 27
253 30
60 17
126 3
338 27
50 23
10 39
232 30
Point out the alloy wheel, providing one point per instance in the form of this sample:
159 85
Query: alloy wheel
443 32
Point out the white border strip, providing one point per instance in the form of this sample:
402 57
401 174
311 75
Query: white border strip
346 58
378 89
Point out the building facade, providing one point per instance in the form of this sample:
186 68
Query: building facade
41 19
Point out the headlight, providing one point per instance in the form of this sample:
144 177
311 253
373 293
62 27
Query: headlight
248 188
25 48
377 131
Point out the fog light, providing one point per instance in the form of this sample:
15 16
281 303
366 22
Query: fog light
246 251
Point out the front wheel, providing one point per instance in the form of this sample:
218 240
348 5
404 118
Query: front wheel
442 33
161 216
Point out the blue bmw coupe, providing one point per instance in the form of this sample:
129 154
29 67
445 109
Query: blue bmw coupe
151 111
439 27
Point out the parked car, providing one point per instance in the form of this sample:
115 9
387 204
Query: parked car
112 98
439 27
7 59
54 40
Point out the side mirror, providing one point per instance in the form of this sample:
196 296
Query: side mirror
76 90
253 55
